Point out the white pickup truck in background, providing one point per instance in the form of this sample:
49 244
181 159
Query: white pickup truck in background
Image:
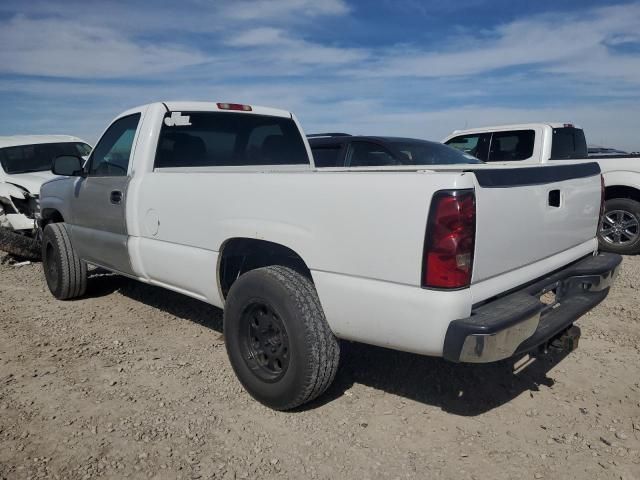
558 143
25 164
222 202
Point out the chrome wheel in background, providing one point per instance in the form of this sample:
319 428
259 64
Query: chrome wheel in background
620 227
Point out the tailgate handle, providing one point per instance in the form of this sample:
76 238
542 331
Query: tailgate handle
554 198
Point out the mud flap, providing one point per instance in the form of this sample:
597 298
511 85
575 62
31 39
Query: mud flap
19 245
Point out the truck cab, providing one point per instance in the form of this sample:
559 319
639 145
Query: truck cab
530 143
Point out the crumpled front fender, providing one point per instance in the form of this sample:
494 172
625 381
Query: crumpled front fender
8 190
10 216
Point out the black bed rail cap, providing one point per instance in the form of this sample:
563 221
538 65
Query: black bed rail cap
540 174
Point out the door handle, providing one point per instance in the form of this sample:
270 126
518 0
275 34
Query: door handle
116 197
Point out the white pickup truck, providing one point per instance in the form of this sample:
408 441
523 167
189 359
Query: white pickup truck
222 202
555 143
25 164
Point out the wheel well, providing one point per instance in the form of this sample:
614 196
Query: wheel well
240 255
619 191
51 216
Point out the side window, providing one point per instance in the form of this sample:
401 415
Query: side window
366 154
327 157
474 144
110 158
510 146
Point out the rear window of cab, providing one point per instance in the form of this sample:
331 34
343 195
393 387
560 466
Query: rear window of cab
568 143
213 139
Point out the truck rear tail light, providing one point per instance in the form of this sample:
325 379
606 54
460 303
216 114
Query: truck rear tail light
450 240
234 106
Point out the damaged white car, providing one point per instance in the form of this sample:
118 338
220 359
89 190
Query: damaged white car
25 164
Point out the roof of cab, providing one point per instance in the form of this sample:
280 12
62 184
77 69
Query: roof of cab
515 126
18 140
186 106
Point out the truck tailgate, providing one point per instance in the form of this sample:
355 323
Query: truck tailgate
527 214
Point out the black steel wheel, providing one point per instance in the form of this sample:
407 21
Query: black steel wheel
264 342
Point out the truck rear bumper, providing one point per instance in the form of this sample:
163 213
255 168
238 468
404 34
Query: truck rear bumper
530 316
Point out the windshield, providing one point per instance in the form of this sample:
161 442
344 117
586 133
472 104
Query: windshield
38 157
422 152
568 143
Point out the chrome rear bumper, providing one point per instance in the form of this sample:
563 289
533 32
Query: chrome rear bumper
520 321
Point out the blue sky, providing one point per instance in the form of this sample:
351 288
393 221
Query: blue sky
394 67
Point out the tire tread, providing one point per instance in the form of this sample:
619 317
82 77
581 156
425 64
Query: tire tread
326 354
73 274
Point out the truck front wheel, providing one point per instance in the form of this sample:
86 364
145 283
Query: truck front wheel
619 230
65 273
278 340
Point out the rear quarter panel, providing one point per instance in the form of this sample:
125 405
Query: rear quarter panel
360 233
621 171
368 224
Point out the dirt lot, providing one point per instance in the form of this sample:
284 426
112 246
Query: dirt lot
134 381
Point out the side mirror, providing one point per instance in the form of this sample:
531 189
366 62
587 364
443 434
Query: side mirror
67 165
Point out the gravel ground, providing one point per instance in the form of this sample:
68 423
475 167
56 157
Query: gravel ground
133 381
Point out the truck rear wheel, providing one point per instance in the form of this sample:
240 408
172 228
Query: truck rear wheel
65 273
278 340
619 231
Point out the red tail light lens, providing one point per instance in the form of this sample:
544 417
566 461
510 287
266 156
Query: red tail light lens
450 240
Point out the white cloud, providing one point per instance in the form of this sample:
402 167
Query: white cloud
64 48
119 39
577 44
281 53
257 37
178 16
282 9
101 43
